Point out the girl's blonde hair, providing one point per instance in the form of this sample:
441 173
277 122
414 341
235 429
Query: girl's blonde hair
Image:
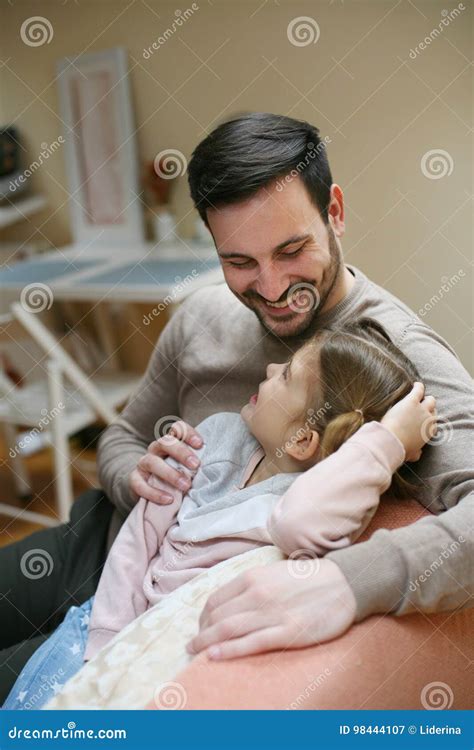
360 374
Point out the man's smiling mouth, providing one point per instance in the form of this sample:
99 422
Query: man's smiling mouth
285 303
292 299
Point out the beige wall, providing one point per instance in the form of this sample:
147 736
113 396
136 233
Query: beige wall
381 109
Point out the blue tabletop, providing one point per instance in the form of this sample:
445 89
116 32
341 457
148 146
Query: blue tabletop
42 270
153 272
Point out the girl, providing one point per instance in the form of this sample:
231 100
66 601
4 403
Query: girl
344 406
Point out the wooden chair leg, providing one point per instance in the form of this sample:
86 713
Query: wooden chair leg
20 472
62 456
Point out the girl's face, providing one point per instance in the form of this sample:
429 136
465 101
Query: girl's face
278 410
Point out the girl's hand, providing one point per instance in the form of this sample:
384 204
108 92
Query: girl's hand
175 444
413 421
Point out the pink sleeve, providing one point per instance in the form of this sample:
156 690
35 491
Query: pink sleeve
331 504
119 598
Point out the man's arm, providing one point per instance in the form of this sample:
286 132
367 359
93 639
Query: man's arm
445 471
124 442
427 565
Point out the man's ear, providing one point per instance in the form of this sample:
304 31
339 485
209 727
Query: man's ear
304 448
336 210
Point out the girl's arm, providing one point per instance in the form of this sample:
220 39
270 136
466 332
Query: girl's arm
120 598
331 504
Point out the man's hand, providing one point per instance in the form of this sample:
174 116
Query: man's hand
413 421
288 604
175 444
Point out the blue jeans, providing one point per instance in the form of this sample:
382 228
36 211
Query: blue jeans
53 663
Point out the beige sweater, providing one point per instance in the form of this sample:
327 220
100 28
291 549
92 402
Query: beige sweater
211 357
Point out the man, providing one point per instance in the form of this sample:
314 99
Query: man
263 186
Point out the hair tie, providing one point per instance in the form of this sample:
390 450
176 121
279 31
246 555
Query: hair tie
360 412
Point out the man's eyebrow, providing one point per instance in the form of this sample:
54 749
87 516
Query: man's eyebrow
285 243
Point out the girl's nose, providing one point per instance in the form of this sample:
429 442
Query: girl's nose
270 370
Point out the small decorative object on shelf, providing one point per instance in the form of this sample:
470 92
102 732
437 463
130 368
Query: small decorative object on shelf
158 182
13 181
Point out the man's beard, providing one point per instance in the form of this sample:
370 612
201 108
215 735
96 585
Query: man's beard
308 324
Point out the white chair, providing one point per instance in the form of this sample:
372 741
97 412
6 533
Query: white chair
54 408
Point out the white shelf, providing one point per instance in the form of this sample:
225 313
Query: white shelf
13 212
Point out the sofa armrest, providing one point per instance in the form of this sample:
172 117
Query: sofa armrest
359 670
383 662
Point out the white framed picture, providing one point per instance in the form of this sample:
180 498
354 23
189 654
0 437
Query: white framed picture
100 149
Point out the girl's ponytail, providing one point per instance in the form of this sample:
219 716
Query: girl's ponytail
339 429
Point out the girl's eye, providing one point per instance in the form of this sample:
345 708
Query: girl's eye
285 372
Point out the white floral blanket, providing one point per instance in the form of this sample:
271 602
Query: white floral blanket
139 664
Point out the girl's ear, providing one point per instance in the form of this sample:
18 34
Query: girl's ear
305 448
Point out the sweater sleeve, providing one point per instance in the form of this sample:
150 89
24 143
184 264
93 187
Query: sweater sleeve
426 566
120 598
126 440
331 504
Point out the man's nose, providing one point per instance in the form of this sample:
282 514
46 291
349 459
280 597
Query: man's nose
270 285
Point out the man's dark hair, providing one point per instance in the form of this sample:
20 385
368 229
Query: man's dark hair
243 155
